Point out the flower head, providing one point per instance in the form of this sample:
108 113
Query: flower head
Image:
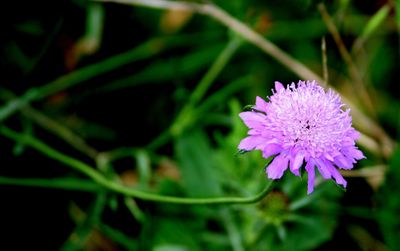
302 123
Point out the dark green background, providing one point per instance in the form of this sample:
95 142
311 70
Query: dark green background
132 87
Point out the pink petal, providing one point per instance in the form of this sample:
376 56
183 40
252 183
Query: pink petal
343 162
278 86
269 133
353 153
295 172
297 160
328 157
271 149
354 134
253 119
253 132
311 176
277 167
249 143
348 141
261 104
336 174
323 169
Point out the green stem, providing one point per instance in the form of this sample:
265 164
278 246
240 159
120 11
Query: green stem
215 69
57 183
184 117
59 130
116 187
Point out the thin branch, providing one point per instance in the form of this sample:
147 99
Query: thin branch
365 172
361 120
53 126
354 72
243 30
60 130
97 177
324 62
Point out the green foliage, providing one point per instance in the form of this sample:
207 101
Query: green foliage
389 206
133 113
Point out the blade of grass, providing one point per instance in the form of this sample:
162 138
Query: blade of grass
372 26
119 237
134 209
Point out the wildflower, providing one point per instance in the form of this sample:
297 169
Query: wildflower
302 123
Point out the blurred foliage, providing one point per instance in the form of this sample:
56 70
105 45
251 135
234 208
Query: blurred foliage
151 99
389 205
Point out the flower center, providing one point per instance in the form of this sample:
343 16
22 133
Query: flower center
308 119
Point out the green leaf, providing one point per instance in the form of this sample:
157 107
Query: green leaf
375 22
174 234
196 162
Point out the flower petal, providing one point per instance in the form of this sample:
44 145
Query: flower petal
353 153
277 167
297 160
343 162
354 134
251 142
261 104
323 169
328 156
253 119
348 141
303 123
278 86
336 174
254 132
271 149
311 176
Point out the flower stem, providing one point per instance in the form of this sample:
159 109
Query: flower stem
73 184
116 187
185 116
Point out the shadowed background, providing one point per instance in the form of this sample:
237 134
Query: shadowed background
150 98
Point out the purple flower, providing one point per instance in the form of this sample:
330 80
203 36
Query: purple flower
302 123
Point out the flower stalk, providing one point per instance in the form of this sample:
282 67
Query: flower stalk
97 177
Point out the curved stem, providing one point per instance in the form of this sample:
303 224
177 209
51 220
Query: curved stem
116 187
